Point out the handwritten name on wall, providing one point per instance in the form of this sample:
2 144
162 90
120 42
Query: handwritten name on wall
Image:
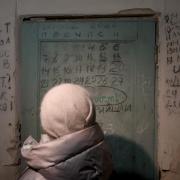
172 30
6 67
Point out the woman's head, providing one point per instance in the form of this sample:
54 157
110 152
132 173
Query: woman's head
66 108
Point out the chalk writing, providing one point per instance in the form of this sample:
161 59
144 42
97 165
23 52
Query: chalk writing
91 31
114 108
7 90
91 64
172 24
6 72
102 57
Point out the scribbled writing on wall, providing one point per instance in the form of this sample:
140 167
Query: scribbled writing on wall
6 103
172 29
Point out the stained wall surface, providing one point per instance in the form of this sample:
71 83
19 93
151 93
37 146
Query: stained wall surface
8 120
169 92
167 80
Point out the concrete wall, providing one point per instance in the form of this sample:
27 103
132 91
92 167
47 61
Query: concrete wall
168 73
83 6
169 92
8 119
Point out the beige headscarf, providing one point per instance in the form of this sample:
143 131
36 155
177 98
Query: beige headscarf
66 108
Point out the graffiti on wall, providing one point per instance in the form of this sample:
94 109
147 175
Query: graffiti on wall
172 32
8 143
6 102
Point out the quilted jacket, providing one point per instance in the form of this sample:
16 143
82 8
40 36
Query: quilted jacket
82 155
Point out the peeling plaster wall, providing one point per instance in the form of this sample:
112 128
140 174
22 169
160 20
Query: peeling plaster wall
168 73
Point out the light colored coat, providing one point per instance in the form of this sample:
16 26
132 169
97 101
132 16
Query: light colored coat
81 155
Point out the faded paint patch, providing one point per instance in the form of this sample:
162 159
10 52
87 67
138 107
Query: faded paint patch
175 163
168 175
13 146
172 170
9 172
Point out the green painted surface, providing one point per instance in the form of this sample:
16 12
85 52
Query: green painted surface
114 59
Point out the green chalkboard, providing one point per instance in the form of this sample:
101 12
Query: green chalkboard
115 60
